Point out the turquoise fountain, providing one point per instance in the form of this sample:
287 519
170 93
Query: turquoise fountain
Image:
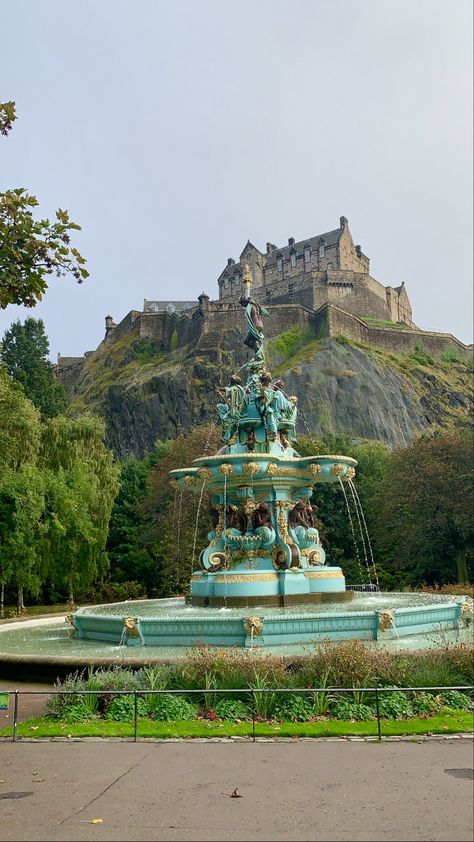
263 579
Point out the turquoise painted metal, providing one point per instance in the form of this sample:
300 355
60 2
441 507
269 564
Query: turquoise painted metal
264 548
387 619
264 561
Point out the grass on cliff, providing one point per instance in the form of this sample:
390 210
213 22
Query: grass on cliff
120 362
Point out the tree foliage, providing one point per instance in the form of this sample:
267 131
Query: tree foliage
424 524
19 425
82 482
24 351
130 547
173 523
32 249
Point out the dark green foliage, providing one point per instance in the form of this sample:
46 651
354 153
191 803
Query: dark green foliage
294 707
457 700
450 356
146 350
346 709
423 519
232 709
131 552
420 355
122 708
424 703
32 249
395 705
168 708
24 351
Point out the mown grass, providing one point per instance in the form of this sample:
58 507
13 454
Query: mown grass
447 722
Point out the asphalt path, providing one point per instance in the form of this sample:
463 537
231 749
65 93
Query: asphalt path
298 790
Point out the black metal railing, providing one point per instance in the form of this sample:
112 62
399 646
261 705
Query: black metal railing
246 692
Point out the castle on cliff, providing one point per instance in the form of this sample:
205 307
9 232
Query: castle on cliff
325 269
323 283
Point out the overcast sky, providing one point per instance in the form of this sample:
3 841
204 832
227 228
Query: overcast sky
175 130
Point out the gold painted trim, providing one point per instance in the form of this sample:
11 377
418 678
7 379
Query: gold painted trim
241 577
323 574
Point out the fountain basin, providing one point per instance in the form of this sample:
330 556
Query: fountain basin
375 617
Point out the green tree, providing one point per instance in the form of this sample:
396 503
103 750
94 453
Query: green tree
174 526
19 425
132 556
22 498
82 482
24 350
32 249
424 518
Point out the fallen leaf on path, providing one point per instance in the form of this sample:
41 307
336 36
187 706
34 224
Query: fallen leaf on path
235 794
38 780
92 821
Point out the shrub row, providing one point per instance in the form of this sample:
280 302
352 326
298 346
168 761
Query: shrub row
206 669
292 707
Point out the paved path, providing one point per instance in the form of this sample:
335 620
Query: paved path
29 706
331 790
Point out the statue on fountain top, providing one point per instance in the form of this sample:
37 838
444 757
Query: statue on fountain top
253 313
230 413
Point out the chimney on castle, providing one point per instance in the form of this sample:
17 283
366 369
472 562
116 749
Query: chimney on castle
269 248
291 241
230 261
343 222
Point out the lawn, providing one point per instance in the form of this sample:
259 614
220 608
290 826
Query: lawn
447 722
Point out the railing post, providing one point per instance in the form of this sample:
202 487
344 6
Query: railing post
15 715
253 715
378 713
135 716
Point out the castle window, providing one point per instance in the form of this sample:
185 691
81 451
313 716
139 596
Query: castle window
279 263
322 249
236 279
268 293
293 259
290 288
329 265
226 283
307 254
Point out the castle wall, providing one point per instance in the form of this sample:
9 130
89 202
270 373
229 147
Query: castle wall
350 256
331 321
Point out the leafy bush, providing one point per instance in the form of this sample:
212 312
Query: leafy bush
80 711
448 355
345 709
114 592
432 669
264 702
293 707
395 706
425 703
168 708
122 708
232 709
420 355
456 699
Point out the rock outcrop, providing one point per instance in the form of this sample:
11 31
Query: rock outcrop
367 392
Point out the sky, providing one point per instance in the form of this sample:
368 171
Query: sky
175 130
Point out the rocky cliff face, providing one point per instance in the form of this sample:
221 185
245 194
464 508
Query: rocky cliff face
341 387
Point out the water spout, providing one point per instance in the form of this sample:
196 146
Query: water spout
357 498
352 527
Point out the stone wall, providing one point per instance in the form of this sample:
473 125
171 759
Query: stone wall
332 321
